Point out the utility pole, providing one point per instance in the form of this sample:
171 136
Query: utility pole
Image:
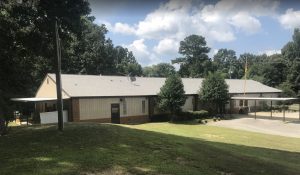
58 80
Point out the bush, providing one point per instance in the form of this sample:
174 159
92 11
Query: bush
3 127
191 115
160 118
243 110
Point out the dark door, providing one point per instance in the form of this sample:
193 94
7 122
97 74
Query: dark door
115 113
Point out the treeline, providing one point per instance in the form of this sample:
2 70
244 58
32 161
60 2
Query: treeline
279 70
27 51
27 46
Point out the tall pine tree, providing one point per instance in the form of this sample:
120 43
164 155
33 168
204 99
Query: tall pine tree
172 95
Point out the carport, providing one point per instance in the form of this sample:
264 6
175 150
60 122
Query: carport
45 116
284 100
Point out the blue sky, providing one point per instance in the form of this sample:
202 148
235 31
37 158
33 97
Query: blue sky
153 29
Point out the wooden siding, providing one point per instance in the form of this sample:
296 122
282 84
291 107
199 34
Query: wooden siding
100 108
134 106
75 110
48 89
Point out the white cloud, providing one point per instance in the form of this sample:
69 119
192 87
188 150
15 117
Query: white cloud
178 19
123 28
106 23
290 20
213 52
167 46
245 22
270 52
141 53
174 20
253 7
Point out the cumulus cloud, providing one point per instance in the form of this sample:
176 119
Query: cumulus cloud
167 46
245 22
123 28
174 20
178 19
290 20
141 52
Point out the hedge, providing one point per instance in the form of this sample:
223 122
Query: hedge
191 115
181 116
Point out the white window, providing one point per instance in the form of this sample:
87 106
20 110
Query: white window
124 107
143 106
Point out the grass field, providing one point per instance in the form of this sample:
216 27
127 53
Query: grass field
154 148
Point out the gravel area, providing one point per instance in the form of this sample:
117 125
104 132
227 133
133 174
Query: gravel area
264 124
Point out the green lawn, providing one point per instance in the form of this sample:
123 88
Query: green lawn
154 148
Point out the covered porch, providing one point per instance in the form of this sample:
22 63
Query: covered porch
283 108
45 109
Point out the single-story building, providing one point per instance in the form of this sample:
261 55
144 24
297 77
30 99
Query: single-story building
121 99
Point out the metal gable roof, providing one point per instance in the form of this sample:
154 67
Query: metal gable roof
105 86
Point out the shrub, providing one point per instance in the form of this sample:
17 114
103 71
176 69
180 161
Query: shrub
243 110
172 96
160 118
3 127
191 115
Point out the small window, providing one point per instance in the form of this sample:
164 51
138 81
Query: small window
46 108
143 106
124 107
243 102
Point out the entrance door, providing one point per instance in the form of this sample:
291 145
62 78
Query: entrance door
115 113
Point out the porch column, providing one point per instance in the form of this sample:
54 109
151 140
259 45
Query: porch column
255 109
231 112
283 112
271 109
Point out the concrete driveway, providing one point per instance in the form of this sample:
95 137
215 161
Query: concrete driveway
262 124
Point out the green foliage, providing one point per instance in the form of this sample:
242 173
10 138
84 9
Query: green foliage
227 63
159 118
191 115
274 71
172 95
159 70
214 90
287 90
27 43
195 62
27 51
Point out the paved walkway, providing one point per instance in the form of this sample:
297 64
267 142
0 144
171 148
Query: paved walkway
273 126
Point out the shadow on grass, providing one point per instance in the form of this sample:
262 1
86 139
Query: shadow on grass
113 149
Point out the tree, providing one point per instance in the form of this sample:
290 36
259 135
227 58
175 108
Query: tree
291 54
226 62
274 71
215 90
126 62
27 43
195 61
286 88
27 49
172 95
159 70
